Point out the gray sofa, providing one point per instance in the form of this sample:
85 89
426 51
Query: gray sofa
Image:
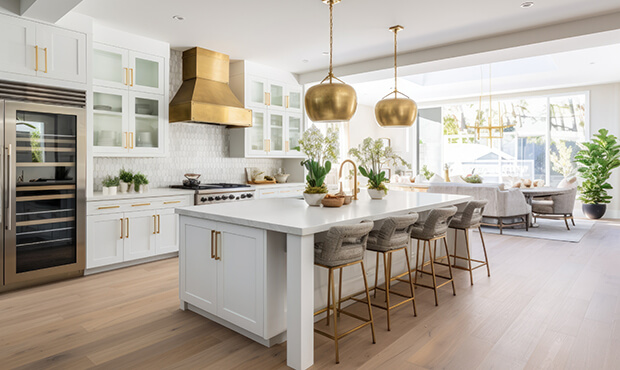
506 208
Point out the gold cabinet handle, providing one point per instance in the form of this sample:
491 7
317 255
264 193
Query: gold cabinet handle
212 242
45 51
286 146
131 140
126 82
127 235
267 98
131 69
268 145
141 204
172 202
122 228
158 224
154 225
108 207
287 101
218 241
268 192
126 140
36 58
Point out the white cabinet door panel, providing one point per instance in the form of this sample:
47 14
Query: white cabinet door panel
140 234
17 45
167 232
105 240
146 73
62 54
241 276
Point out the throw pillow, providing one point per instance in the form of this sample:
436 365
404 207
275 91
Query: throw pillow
436 178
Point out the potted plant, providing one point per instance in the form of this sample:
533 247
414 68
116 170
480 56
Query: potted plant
110 185
126 178
320 150
597 158
372 156
140 182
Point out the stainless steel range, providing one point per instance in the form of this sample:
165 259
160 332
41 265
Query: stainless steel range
218 193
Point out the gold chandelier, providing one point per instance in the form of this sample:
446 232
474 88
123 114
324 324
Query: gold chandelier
493 131
331 102
396 112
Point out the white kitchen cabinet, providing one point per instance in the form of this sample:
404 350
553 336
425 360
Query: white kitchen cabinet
275 98
132 229
280 191
35 49
226 270
140 235
105 240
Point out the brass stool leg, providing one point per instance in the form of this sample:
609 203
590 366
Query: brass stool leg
333 289
339 291
433 271
417 263
424 254
376 275
484 248
372 321
415 312
456 234
471 274
445 244
329 286
387 289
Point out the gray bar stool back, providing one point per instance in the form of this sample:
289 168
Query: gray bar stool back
343 246
434 228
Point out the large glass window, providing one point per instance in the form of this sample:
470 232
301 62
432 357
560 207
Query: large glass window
504 139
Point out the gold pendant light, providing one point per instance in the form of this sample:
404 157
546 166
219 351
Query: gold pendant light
396 112
331 102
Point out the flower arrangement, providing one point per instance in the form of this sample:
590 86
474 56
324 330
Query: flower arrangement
372 156
428 174
320 151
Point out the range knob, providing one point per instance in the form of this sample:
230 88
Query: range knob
210 199
203 199
218 198
250 195
231 196
242 196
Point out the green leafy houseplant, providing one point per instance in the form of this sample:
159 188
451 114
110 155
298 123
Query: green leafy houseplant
125 176
139 179
372 156
110 182
597 158
320 150
428 174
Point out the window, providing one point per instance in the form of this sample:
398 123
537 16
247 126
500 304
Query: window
529 137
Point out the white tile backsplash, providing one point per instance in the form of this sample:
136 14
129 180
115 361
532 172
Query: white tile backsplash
192 148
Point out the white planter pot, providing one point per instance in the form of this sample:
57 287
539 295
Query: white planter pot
314 199
143 189
109 190
124 187
376 194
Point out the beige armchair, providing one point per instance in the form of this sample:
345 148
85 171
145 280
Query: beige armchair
557 207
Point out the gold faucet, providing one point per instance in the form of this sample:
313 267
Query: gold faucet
354 177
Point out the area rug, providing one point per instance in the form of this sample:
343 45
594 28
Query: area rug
549 229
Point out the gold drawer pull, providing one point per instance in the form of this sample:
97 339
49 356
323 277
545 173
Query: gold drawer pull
268 192
122 228
108 207
154 224
158 224
141 204
172 202
285 191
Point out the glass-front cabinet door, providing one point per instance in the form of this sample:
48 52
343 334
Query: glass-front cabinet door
293 99
110 121
44 208
276 95
146 124
110 66
257 134
294 130
276 133
146 73
256 94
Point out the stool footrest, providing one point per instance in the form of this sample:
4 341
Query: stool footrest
430 287
330 336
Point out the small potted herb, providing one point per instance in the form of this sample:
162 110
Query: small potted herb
320 150
126 178
110 185
373 156
140 182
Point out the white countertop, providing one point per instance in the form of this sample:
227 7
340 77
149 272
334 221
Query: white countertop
278 185
157 192
294 216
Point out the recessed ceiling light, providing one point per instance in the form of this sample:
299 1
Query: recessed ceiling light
326 53
527 4
304 60
177 17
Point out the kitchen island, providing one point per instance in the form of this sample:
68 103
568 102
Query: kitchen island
250 265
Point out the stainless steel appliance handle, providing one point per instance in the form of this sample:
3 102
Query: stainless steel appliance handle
9 213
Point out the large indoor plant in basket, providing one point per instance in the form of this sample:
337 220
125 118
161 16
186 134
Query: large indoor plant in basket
597 158
372 156
320 151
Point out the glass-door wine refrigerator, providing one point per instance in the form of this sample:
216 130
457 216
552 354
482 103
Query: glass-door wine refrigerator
43 187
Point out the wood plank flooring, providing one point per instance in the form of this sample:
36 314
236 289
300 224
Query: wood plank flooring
547 305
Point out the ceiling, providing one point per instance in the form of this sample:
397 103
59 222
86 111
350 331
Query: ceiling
293 34
582 67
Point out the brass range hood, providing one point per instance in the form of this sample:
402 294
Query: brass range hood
204 96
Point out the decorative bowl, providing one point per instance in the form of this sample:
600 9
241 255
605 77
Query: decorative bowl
333 201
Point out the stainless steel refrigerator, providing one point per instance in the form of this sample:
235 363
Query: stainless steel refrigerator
42 185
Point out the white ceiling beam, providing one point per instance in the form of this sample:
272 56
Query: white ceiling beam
47 10
578 34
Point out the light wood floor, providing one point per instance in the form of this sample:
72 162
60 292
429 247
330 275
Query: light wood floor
547 305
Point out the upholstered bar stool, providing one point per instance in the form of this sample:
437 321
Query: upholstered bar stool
343 246
434 228
470 218
393 236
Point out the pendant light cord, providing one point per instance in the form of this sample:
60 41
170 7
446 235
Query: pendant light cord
331 39
395 67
